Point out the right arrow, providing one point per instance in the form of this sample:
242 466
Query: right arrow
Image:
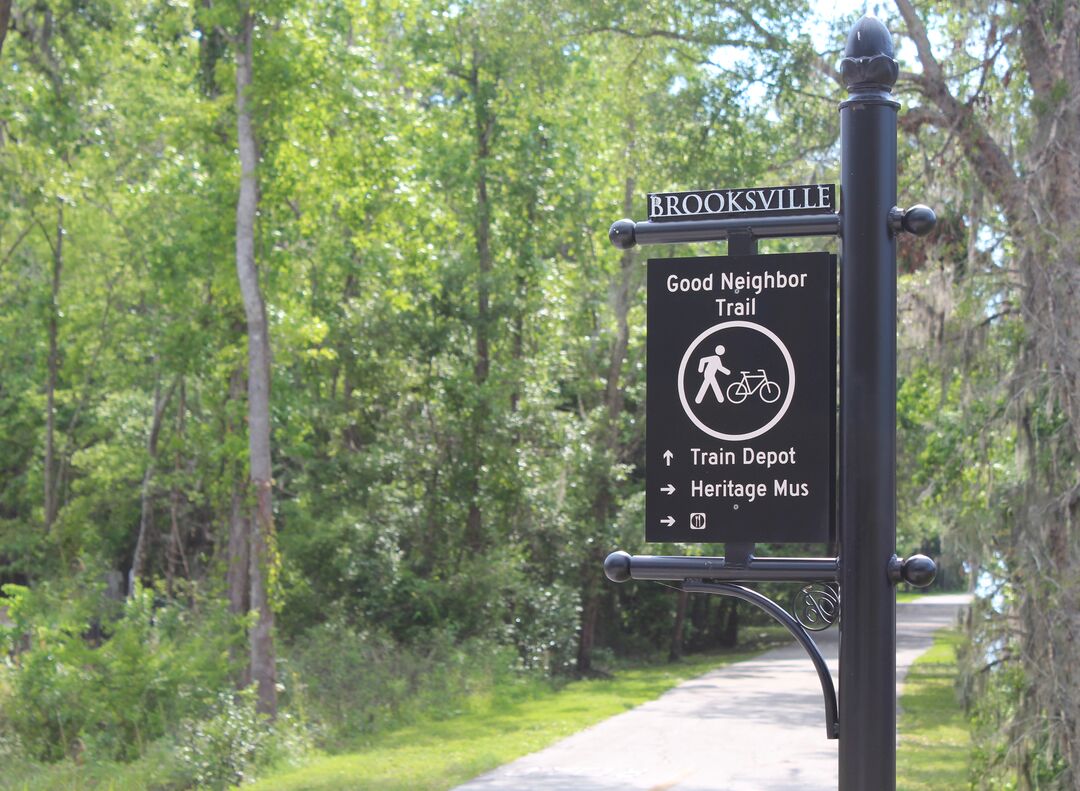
669 521
669 489
668 456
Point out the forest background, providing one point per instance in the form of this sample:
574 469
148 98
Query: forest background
321 380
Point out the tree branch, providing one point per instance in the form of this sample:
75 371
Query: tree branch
991 165
1070 52
1036 49
674 35
774 42
5 20
18 240
918 117
917 33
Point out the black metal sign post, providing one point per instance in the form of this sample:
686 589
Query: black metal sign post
868 413
867 567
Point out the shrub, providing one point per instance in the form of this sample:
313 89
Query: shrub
544 628
234 742
106 678
354 682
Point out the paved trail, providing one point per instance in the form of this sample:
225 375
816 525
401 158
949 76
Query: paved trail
691 739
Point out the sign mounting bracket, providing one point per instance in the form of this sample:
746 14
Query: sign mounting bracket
624 234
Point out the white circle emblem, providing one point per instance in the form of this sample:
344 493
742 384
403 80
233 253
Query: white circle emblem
690 352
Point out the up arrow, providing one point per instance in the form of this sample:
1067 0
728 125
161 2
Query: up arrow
669 521
669 489
668 456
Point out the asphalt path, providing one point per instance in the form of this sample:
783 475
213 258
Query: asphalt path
757 725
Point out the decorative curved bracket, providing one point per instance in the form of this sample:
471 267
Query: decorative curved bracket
828 689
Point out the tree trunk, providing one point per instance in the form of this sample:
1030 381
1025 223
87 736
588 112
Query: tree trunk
5 20
146 511
590 608
527 252
603 500
239 552
50 478
238 580
700 606
675 652
211 49
621 303
262 658
727 624
483 124
176 560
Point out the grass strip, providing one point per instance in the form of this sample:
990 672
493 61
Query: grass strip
439 754
934 751
155 770
908 596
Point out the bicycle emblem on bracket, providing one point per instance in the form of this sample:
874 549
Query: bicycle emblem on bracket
817 606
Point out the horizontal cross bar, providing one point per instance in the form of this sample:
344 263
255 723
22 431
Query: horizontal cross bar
621 567
624 234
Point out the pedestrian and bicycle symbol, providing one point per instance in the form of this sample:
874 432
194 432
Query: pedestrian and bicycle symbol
741 375
737 392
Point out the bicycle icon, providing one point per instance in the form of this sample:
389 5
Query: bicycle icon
767 390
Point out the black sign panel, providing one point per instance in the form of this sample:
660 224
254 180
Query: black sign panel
747 202
741 399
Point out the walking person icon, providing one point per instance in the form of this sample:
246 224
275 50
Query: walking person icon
710 366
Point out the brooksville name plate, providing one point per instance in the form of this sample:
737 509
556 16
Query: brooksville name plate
749 202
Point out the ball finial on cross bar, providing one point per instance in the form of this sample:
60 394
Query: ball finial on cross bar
622 234
617 566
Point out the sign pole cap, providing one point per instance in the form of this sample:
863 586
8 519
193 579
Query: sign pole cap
868 63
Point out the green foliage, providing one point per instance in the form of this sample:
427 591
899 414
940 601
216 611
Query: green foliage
107 678
543 627
233 743
157 770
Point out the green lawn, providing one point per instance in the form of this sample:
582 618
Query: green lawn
439 754
934 738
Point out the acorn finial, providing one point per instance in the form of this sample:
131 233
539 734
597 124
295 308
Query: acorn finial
868 63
